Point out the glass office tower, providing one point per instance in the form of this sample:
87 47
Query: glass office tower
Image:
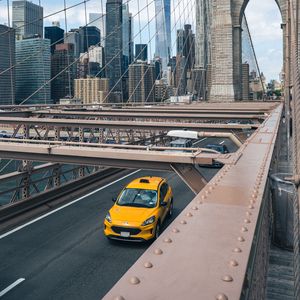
163 32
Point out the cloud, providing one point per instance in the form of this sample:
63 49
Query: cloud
264 20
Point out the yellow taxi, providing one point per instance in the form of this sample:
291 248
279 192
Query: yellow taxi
139 211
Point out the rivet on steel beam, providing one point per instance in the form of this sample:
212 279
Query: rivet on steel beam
247 221
227 278
251 206
252 201
158 251
211 188
175 230
244 229
119 298
254 195
207 192
168 240
189 214
221 297
134 280
199 202
241 239
237 250
248 213
195 208
183 222
148 265
233 263
203 197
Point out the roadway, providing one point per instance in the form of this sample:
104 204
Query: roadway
64 255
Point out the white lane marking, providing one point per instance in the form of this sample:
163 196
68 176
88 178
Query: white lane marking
10 287
64 206
222 142
200 141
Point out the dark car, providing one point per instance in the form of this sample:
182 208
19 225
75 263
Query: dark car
219 148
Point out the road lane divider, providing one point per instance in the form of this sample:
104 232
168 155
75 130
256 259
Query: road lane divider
66 205
10 287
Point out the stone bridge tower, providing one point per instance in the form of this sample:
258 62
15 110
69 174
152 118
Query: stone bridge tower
226 82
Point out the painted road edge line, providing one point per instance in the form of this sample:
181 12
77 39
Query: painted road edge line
64 206
10 287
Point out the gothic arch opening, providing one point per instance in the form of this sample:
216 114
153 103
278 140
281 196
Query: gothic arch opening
239 7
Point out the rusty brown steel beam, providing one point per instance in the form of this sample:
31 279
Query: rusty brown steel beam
149 115
123 156
199 105
122 124
205 252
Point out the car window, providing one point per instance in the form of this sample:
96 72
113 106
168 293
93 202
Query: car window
163 191
138 198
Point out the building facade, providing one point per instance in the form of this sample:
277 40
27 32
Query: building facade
27 19
99 20
7 60
34 72
55 34
91 90
141 82
62 84
141 52
90 36
113 46
74 37
163 32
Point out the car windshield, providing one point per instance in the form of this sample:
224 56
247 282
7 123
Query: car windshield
138 198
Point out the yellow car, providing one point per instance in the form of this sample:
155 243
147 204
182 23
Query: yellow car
140 210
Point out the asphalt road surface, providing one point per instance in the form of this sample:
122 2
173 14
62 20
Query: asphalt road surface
64 255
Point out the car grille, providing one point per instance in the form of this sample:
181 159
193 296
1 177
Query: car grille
132 231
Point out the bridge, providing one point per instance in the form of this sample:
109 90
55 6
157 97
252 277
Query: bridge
236 224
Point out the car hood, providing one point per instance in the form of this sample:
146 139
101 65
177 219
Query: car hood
132 215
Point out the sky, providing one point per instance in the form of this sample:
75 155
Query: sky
263 16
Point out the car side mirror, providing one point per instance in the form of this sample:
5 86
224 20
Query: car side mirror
163 203
114 199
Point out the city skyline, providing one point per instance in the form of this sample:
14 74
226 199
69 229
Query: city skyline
264 24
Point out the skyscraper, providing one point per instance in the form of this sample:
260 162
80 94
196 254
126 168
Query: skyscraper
141 52
27 19
113 45
74 37
90 36
141 82
98 20
55 34
127 36
62 85
7 59
163 32
34 72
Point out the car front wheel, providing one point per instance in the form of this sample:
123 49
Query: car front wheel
157 231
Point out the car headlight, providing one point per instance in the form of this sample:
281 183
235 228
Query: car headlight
149 221
108 217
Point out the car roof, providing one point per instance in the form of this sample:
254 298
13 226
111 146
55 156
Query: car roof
141 183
